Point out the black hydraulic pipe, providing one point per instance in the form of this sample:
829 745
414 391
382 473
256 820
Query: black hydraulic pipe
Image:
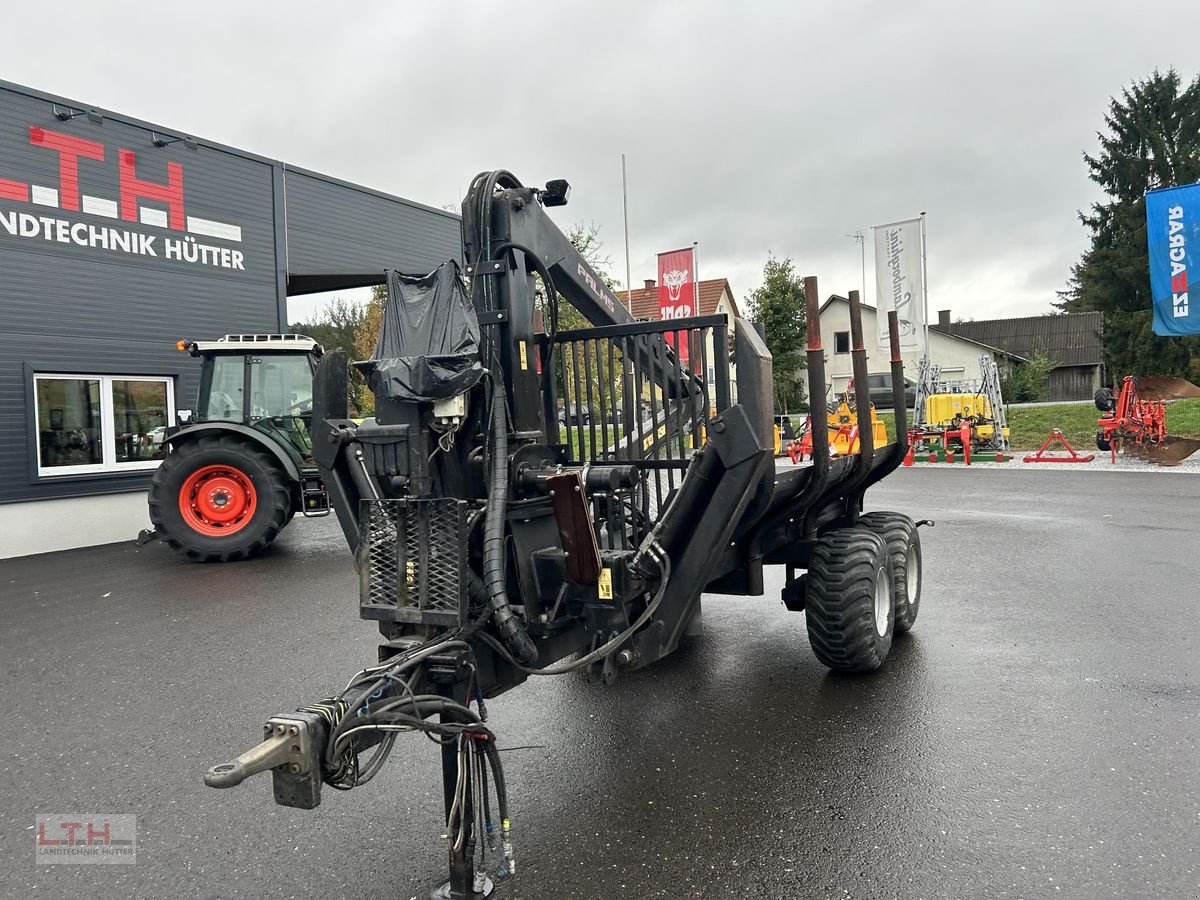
595 478
512 631
817 413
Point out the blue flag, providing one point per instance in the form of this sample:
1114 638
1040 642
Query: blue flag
1173 239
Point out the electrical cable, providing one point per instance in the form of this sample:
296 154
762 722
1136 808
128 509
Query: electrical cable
605 649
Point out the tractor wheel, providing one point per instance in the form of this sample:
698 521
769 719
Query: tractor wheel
219 498
1101 443
899 533
849 607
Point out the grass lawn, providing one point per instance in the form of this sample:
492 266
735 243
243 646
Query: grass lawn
1029 426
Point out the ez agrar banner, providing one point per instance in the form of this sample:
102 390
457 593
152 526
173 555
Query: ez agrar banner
1173 242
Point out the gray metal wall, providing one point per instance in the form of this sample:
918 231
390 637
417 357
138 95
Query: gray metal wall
71 304
341 235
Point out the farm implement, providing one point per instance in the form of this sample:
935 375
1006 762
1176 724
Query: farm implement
1136 419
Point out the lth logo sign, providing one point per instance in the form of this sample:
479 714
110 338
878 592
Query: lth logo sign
131 189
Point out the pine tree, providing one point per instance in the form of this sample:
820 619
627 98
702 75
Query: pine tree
1152 140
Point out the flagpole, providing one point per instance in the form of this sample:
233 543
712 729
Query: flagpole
695 278
627 378
925 281
625 205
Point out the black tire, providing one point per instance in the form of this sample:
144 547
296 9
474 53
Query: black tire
1105 401
272 498
849 579
1101 443
903 541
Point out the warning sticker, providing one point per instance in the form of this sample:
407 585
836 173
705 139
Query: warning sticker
604 586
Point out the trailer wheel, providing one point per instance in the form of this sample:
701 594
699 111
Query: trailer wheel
899 533
850 608
219 498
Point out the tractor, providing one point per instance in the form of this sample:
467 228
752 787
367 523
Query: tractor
239 466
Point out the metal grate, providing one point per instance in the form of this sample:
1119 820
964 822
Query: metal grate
639 394
411 558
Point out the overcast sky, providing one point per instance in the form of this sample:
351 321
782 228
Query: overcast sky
753 128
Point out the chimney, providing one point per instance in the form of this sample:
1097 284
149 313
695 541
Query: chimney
943 318
649 284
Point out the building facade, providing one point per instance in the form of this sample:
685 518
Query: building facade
958 356
1073 342
119 237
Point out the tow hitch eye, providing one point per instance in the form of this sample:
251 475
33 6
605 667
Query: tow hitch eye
290 749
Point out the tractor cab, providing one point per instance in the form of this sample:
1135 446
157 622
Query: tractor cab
263 381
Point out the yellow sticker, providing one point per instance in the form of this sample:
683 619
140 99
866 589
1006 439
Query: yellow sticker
524 355
605 585
656 435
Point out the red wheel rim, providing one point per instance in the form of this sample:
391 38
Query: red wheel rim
217 501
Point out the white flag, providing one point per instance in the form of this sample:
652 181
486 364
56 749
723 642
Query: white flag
900 283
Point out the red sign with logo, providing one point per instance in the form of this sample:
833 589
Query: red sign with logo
676 290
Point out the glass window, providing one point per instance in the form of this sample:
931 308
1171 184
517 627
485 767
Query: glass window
100 423
280 386
69 423
139 419
225 390
841 342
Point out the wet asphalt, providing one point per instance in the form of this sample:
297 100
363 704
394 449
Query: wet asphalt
1036 736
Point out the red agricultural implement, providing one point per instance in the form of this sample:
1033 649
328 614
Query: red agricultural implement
1137 417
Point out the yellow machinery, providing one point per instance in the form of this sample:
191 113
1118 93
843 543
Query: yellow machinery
843 428
947 411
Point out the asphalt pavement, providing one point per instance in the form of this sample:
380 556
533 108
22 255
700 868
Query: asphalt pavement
1035 736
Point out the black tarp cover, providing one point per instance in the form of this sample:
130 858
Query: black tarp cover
428 347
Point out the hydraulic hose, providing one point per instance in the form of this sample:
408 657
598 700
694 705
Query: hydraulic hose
512 631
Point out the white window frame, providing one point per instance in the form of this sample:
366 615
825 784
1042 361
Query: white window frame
108 431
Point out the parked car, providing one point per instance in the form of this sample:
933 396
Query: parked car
880 387
573 415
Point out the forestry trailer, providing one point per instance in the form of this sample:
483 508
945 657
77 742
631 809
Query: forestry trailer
493 543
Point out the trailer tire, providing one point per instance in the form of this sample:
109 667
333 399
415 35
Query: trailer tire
850 608
903 541
243 526
1102 443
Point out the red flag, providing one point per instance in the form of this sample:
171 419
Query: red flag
676 291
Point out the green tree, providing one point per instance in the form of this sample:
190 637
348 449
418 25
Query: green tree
335 325
780 305
586 240
1028 382
1151 140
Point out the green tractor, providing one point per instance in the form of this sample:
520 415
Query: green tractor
239 466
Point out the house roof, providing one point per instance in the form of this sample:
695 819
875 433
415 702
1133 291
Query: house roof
645 300
1069 339
961 337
